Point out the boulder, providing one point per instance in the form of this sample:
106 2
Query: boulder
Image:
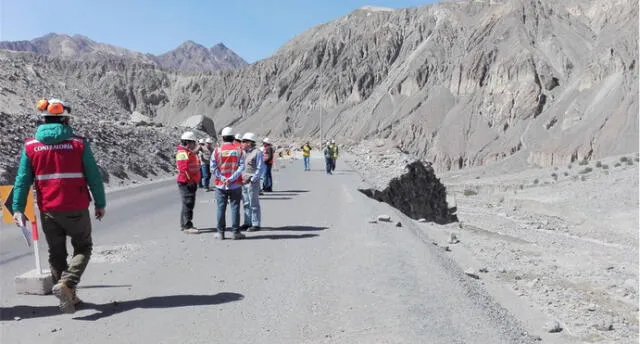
418 193
136 117
202 123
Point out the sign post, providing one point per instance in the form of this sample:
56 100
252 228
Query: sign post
6 194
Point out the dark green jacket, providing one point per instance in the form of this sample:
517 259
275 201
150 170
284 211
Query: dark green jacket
52 133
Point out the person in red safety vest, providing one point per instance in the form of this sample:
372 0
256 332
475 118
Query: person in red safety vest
63 169
227 165
188 179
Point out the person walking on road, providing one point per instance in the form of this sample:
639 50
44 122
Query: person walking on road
268 152
254 168
328 157
334 150
189 176
64 170
306 155
227 165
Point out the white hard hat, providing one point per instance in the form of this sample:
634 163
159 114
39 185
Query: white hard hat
201 141
249 137
266 140
238 137
227 131
208 140
188 136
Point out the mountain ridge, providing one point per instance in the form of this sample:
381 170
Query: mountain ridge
458 83
180 59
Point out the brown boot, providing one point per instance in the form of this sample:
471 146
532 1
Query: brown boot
76 299
66 297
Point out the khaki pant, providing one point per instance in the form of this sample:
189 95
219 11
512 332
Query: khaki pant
57 225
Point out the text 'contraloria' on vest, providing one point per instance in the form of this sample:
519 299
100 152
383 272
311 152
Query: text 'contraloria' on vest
59 174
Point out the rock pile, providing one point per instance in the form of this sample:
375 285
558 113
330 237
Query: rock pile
405 182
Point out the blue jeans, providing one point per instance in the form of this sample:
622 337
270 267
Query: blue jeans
233 196
206 176
251 203
306 162
268 181
328 164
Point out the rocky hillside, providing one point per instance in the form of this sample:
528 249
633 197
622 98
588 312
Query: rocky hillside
188 57
457 83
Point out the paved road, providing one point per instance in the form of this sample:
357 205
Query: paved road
317 273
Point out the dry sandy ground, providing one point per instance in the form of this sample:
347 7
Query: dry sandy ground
563 239
557 246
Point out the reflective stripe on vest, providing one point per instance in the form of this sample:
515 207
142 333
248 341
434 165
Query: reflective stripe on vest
59 176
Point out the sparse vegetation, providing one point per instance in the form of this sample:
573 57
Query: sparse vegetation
469 192
599 164
583 178
536 181
584 162
586 170
566 174
569 167
624 159
637 159
630 162
617 164
554 176
605 167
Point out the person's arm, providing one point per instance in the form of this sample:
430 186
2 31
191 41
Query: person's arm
238 172
94 178
259 169
214 166
24 179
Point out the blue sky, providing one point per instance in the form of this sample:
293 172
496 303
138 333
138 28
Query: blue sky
254 29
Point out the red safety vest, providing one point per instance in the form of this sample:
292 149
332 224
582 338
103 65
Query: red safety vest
227 160
59 174
188 166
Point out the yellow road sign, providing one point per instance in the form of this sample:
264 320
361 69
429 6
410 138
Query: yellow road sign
6 198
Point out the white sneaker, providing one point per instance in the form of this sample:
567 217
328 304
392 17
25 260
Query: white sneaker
218 236
191 230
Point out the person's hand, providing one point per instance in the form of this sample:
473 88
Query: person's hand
19 219
100 213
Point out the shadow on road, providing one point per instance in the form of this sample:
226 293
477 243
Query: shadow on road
279 236
109 309
289 191
294 228
104 286
8 260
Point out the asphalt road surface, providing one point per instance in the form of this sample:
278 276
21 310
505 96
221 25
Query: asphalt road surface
318 272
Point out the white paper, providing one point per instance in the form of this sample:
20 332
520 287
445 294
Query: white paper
27 234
